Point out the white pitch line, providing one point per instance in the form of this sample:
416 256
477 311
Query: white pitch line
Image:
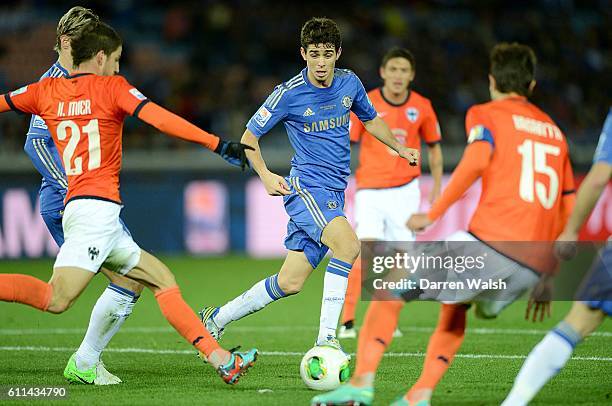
281 353
248 329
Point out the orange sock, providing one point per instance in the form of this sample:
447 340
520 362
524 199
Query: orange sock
443 345
376 334
353 292
183 319
25 289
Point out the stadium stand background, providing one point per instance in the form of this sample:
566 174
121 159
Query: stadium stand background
215 62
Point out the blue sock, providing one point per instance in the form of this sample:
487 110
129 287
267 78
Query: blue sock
273 288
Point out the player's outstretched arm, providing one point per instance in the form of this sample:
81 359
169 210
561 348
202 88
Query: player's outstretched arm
38 149
436 167
593 184
379 129
176 126
475 160
22 100
588 194
275 184
4 106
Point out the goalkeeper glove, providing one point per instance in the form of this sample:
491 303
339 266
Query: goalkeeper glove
234 153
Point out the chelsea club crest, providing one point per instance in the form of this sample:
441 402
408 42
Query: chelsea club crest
347 102
332 204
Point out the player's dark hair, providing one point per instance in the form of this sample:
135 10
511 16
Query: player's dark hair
398 52
93 39
513 67
320 30
73 22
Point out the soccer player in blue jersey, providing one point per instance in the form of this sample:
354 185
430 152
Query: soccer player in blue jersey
314 107
553 352
118 299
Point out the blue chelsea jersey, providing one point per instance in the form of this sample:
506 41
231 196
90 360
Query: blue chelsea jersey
39 146
603 153
317 123
38 128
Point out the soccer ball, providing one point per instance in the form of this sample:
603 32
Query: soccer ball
324 368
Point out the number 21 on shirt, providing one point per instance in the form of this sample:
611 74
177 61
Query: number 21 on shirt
75 166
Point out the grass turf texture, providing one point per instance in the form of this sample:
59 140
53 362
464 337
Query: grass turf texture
178 377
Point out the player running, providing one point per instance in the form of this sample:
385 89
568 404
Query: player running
388 187
117 301
527 194
84 113
555 349
315 108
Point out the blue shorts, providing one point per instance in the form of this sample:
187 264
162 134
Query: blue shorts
53 220
596 291
52 208
51 199
310 209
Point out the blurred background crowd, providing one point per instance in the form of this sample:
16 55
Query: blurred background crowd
214 62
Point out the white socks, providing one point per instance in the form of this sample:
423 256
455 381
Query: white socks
545 361
261 294
110 311
267 291
334 290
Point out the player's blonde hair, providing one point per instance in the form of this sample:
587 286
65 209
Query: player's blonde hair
73 22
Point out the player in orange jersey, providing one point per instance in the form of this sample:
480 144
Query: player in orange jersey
84 113
388 187
527 195
118 300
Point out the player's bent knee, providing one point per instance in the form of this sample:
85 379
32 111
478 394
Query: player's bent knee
583 319
58 308
163 276
290 287
59 304
485 312
131 285
152 272
61 299
348 251
125 283
167 280
161 279
341 239
67 284
292 283
355 249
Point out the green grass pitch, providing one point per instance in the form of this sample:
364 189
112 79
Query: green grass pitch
158 367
